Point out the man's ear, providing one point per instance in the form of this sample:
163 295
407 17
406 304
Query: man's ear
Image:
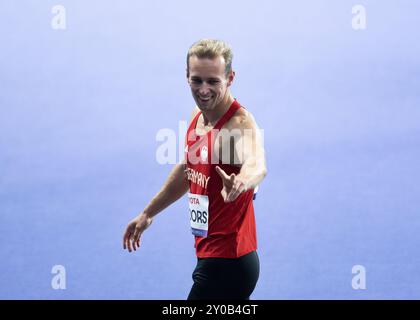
187 73
231 76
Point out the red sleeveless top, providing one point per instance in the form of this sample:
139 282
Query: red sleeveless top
226 230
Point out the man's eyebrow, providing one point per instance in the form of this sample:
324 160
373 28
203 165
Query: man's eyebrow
210 78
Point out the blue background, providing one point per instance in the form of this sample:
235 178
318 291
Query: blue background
80 109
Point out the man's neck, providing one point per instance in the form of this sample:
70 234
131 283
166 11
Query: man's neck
212 116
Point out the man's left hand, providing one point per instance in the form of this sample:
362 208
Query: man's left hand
233 186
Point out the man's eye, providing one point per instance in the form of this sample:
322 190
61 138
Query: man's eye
213 82
195 81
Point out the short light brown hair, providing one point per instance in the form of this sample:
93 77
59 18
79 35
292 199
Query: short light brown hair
211 49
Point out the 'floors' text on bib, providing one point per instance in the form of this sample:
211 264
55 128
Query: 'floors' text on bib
199 214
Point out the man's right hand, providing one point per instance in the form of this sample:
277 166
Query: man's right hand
134 230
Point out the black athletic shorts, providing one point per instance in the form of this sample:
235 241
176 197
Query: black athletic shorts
225 278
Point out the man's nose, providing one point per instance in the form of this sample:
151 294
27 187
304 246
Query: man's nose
204 89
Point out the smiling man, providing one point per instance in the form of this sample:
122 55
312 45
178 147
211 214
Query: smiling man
224 163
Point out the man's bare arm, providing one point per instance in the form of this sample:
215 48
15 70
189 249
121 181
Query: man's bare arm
174 188
254 168
250 152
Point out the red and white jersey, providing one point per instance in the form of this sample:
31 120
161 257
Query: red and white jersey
224 230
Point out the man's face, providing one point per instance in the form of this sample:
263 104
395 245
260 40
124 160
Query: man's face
208 81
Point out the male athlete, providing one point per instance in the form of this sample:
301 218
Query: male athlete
224 163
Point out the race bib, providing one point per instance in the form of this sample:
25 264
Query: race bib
199 214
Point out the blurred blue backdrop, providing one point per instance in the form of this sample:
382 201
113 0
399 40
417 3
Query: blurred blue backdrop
80 109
